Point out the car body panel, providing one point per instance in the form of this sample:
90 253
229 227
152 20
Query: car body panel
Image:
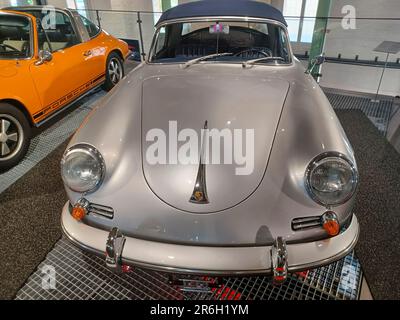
235 232
210 101
51 86
281 190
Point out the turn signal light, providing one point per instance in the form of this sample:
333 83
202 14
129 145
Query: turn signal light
78 212
331 224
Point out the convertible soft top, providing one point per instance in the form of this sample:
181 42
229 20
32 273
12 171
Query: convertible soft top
214 8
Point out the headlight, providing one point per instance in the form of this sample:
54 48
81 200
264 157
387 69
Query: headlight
331 179
82 168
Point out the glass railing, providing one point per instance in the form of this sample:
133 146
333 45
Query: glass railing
350 45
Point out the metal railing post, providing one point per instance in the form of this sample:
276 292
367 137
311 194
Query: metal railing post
139 21
98 18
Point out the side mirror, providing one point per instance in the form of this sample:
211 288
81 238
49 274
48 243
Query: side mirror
317 61
44 56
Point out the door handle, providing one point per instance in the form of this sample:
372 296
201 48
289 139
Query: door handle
87 53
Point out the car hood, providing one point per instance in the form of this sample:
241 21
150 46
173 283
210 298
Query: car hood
245 109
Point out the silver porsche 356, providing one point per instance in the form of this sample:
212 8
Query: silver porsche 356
219 155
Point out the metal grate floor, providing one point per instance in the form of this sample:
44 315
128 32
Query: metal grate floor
378 113
80 276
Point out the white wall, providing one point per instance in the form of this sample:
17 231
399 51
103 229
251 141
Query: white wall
7 3
362 41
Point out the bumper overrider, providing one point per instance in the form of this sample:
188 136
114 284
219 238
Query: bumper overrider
278 260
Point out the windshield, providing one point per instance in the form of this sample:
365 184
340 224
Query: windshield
241 41
15 37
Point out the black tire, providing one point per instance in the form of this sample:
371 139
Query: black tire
15 136
113 78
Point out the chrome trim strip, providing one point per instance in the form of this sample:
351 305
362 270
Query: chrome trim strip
330 260
219 18
199 195
293 268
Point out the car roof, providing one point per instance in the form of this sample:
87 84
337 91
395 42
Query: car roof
14 12
21 8
222 8
32 8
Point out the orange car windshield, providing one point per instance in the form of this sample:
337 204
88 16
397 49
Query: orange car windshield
15 37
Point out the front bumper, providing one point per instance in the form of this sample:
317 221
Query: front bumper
211 260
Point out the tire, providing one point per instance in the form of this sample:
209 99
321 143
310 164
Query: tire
15 136
114 71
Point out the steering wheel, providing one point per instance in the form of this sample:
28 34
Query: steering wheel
252 53
8 46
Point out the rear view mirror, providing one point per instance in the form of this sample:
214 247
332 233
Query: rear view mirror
319 60
219 28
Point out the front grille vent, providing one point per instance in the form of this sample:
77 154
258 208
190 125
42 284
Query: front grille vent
306 223
100 210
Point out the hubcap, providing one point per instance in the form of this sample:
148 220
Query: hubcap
115 71
11 137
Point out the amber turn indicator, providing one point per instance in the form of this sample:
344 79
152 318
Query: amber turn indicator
331 224
78 213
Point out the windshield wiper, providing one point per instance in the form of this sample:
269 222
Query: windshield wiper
252 62
210 56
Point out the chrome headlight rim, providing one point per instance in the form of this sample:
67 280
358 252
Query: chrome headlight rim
91 151
315 163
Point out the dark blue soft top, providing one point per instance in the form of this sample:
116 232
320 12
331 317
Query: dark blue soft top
213 8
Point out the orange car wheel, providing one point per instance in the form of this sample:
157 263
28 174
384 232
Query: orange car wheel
15 134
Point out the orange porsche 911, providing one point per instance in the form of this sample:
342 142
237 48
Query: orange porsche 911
48 60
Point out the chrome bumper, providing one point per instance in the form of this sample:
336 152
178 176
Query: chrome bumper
210 260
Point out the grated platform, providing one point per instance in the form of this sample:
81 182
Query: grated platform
378 113
67 273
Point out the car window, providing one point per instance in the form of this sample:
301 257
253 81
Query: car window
60 31
62 35
161 40
180 42
15 37
43 39
91 28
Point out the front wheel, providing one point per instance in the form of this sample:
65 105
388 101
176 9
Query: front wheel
114 71
15 135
